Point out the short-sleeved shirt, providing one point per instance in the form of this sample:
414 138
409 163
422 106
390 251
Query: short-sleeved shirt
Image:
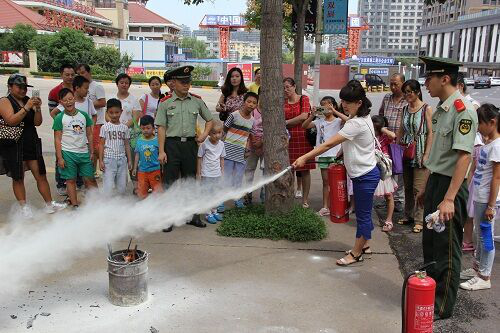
152 105
392 111
54 96
114 136
86 106
325 130
488 154
452 131
359 148
96 92
211 155
129 105
237 135
254 87
74 134
148 154
179 115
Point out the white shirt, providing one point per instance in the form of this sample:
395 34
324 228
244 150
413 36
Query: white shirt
86 106
359 148
129 104
96 91
483 175
211 155
325 130
475 103
114 139
152 105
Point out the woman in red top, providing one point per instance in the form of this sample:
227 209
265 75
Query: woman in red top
296 109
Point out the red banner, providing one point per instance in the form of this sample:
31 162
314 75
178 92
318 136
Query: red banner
11 58
135 71
245 68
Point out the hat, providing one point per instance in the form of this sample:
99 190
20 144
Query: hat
168 75
18 80
440 65
183 72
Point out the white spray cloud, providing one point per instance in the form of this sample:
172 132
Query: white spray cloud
31 249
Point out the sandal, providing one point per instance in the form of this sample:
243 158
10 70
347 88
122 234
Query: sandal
405 221
344 262
468 247
387 226
305 205
324 212
418 228
367 253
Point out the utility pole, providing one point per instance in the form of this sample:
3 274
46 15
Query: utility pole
318 39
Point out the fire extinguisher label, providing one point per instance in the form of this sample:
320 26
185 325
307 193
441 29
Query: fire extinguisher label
424 316
341 191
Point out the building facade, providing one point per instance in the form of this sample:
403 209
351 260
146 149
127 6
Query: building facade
465 31
393 27
145 24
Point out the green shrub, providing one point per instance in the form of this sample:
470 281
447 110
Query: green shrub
300 225
204 83
46 74
8 71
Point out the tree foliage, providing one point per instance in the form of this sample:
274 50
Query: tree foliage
18 39
110 59
198 47
201 73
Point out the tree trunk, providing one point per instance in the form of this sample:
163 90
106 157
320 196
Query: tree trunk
300 7
279 193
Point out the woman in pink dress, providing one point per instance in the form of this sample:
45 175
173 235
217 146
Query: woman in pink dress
296 110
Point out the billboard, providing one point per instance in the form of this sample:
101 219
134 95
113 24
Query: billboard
245 68
379 71
376 60
310 23
11 58
335 17
227 20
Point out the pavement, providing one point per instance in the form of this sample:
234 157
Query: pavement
201 282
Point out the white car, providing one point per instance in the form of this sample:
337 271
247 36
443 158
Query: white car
468 81
421 80
495 81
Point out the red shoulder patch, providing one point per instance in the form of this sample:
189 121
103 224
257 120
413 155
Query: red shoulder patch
197 96
165 98
459 105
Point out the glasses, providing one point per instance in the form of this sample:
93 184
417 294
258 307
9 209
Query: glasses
408 92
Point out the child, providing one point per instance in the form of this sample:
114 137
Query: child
386 187
114 150
146 164
237 129
72 135
211 155
326 128
486 198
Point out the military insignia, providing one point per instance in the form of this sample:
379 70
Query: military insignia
464 126
459 105
434 121
186 70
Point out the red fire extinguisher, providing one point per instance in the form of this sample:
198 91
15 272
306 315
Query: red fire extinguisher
339 198
417 302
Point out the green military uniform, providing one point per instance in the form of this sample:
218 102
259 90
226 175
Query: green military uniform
454 126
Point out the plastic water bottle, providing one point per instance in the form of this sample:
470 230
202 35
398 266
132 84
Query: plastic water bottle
487 236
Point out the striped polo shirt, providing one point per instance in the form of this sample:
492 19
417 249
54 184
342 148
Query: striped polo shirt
114 136
237 136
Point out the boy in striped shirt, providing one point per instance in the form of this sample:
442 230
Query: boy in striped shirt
237 128
114 150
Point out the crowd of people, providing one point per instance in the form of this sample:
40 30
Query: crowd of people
154 140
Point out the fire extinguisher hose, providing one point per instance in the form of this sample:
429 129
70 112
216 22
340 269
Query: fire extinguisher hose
403 295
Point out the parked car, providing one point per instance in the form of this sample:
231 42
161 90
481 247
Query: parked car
495 81
482 81
469 81
369 79
421 80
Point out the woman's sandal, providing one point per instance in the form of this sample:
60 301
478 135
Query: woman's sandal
367 252
387 226
357 260
418 228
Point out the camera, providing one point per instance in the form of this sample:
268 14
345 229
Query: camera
35 93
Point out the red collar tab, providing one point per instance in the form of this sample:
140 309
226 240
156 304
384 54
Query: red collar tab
459 105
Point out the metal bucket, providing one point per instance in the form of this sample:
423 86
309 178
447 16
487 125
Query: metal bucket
128 281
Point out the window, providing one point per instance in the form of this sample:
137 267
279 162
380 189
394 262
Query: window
146 29
133 29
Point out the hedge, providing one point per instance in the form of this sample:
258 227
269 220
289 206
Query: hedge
8 71
135 78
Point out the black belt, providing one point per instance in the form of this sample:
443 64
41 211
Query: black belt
181 139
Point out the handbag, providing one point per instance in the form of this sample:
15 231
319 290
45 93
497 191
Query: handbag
411 149
10 133
384 162
396 154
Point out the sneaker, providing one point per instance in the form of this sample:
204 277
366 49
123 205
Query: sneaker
26 211
54 206
62 191
239 204
476 283
468 274
298 194
218 217
211 219
221 208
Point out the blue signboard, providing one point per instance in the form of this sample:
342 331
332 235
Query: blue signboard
376 60
227 20
379 71
335 19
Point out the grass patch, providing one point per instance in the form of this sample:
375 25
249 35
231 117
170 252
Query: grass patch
299 225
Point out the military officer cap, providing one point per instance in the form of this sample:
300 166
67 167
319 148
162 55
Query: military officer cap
181 73
167 76
440 65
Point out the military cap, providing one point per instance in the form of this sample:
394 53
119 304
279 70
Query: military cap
440 65
183 72
168 75
18 80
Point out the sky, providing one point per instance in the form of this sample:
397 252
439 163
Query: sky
179 13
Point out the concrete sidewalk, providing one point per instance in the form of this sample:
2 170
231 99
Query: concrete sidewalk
201 282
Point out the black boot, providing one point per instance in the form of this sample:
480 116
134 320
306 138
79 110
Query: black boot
197 222
169 229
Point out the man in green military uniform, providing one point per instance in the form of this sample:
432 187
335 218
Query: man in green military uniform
176 120
454 125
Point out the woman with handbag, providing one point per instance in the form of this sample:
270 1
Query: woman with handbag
149 102
415 134
20 146
358 144
233 91
297 110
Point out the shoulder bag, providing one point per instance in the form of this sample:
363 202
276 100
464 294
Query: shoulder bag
10 134
411 149
384 162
